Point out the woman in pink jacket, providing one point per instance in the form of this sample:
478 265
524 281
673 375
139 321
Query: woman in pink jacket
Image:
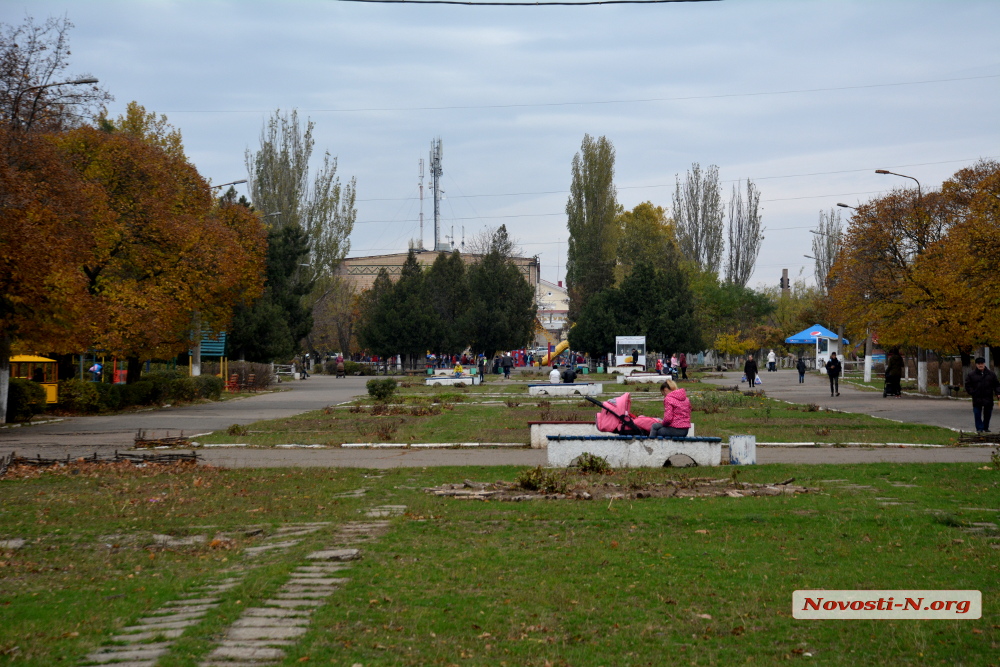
676 413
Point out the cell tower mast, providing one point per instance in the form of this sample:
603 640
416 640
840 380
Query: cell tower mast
436 184
421 204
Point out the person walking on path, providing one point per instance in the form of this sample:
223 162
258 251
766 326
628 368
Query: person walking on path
684 366
482 368
893 375
771 361
801 368
750 370
833 368
507 363
982 385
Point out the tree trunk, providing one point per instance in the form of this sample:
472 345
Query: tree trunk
134 370
921 370
4 374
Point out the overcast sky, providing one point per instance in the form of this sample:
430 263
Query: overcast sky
805 98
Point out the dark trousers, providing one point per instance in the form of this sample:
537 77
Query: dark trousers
802 378
982 416
684 372
661 431
834 384
752 379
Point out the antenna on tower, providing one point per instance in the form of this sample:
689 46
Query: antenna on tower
421 203
436 171
463 238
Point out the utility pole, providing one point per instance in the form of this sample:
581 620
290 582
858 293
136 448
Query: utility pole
436 184
421 203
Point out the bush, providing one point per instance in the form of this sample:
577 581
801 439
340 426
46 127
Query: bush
79 396
354 368
591 463
183 389
539 479
108 396
137 393
210 386
25 399
162 383
381 390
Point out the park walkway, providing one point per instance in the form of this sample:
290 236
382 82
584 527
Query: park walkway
952 413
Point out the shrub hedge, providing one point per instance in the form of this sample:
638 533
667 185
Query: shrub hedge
154 388
25 399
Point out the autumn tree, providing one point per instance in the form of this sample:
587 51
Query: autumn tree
335 318
646 235
590 212
44 208
698 214
745 234
164 250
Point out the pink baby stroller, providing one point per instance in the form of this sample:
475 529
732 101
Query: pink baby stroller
615 417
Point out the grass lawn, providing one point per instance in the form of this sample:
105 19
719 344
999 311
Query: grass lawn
628 582
501 413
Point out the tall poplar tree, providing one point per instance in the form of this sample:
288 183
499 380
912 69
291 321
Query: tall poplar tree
698 215
590 213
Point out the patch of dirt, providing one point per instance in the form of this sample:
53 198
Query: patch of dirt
578 487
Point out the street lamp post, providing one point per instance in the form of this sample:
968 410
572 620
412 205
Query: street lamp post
921 352
16 105
222 185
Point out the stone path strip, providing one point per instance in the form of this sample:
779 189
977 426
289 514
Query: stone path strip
137 646
262 634
168 622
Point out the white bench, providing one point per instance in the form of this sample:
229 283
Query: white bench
573 389
643 378
451 380
625 370
540 431
624 451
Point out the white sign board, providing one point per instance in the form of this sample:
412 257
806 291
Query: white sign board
630 350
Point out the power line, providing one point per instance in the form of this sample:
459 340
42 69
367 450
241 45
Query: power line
525 4
686 98
731 180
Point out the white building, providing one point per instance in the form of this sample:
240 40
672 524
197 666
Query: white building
553 311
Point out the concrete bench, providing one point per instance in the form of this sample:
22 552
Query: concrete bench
451 380
451 371
540 431
625 370
624 451
573 389
643 378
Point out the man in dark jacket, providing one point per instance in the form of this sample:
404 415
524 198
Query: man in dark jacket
982 385
569 375
833 370
750 370
507 362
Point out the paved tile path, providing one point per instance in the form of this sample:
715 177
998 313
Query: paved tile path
262 634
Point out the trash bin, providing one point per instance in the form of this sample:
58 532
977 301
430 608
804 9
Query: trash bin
586 371
600 369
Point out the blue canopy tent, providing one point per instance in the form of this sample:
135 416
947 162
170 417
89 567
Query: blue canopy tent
821 338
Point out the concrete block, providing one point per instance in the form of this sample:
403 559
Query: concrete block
574 389
633 452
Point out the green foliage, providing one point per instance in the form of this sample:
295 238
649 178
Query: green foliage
381 390
25 399
502 316
652 302
590 212
450 299
592 464
137 393
488 307
160 385
209 386
272 327
646 236
237 429
79 396
539 479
